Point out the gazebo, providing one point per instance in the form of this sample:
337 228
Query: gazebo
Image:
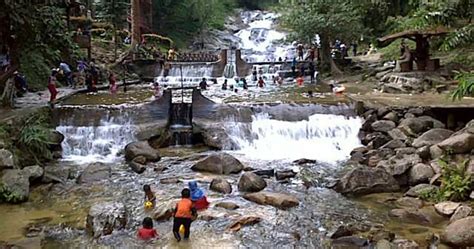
421 55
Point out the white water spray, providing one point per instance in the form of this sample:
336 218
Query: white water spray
323 137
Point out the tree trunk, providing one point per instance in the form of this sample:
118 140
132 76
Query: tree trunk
327 63
114 24
136 17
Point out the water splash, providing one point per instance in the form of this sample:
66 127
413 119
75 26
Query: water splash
323 137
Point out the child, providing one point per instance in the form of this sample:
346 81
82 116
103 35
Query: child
260 82
112 83
52 87
197 196
147 232
183 215
149 195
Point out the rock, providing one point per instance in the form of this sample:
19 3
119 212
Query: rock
304 161
410 202
447 207
461 212
436 152
398 134
55 137
471 196
364 180
383 244
420 173
458 144
265 172
340 231
105 217
425 216
250 182
216 137
418 111
141 148
358 157
382 111
170 180
6 159
392 116
26 243
136 167
424 152
383 125
459 233
243 221
164 210
350 242
284 174
405 244
394 144
367 124
419 189
219 163
409 115
95 172
435 123
400 152
373 161
15 186
57 174
375 140
414 126
432 137
278 200
227 205
397 166
140 159
33 172
221 185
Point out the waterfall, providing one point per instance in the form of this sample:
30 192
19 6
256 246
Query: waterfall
102 143
192 75
323 137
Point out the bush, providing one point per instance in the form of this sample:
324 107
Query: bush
7 196
465 85
34 136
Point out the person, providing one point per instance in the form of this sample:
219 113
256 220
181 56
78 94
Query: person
203 84
183 215
254 74
166 69
156 87
280 59
260 82
299 48
302 69
112 83
147 232
293 66
224 86
67 72
81 69
354 48
312 71
336 88
149 195
197 196
300 80
94 73
52 87
244 84
20 83
90 83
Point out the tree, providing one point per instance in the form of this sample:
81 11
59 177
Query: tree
330 19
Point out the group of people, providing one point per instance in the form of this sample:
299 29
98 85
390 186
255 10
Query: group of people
197 57
192 200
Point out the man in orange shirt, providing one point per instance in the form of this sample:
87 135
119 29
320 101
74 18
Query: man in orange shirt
183 214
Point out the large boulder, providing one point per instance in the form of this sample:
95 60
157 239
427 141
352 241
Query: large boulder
278 200
56 174
420 173
6 159
215 136
459 144
447 207
383 125
425 216
95 172
399 165
364 180
398 134
219 163
432 137
414 126
34 172
14 186
141 148
420 189
105 217
460 233
55 137
461 212
221 185
251 182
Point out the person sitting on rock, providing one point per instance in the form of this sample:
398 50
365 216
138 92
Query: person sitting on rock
149 196
197 196
184 214
147 232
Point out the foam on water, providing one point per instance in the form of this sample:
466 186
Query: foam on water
323 137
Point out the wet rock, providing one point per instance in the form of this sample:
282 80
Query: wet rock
265 173
397 166
358 157
216 137
170 180
426 215
382 111
447 207
340 231
140 160
250 182
364 180
383 244
410 202
34 172
243 221
392 116
141 148
419 189
55 137
432 137
137 167
424 152
405 244
418 111
284 174
420 173
404 151
459 144
219 163
15 186
373 161
221 185
367 124
394 144
164 210
375 140
278 200
414 126
105 217
350 242
398 134
26 243
6 159
383 125
95 172
459 233
304 161
461 212
227 205
56 174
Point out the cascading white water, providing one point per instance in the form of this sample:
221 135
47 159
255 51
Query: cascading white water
323 137
85 144
192 75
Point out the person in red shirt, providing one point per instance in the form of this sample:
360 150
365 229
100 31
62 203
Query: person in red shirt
260 82
184 214
197 196
147 232
52 87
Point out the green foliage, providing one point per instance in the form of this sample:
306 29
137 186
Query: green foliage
7 196
460 37
257 5
465 85
455 184
392 51
35 137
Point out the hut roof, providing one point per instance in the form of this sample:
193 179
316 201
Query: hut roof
386 40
